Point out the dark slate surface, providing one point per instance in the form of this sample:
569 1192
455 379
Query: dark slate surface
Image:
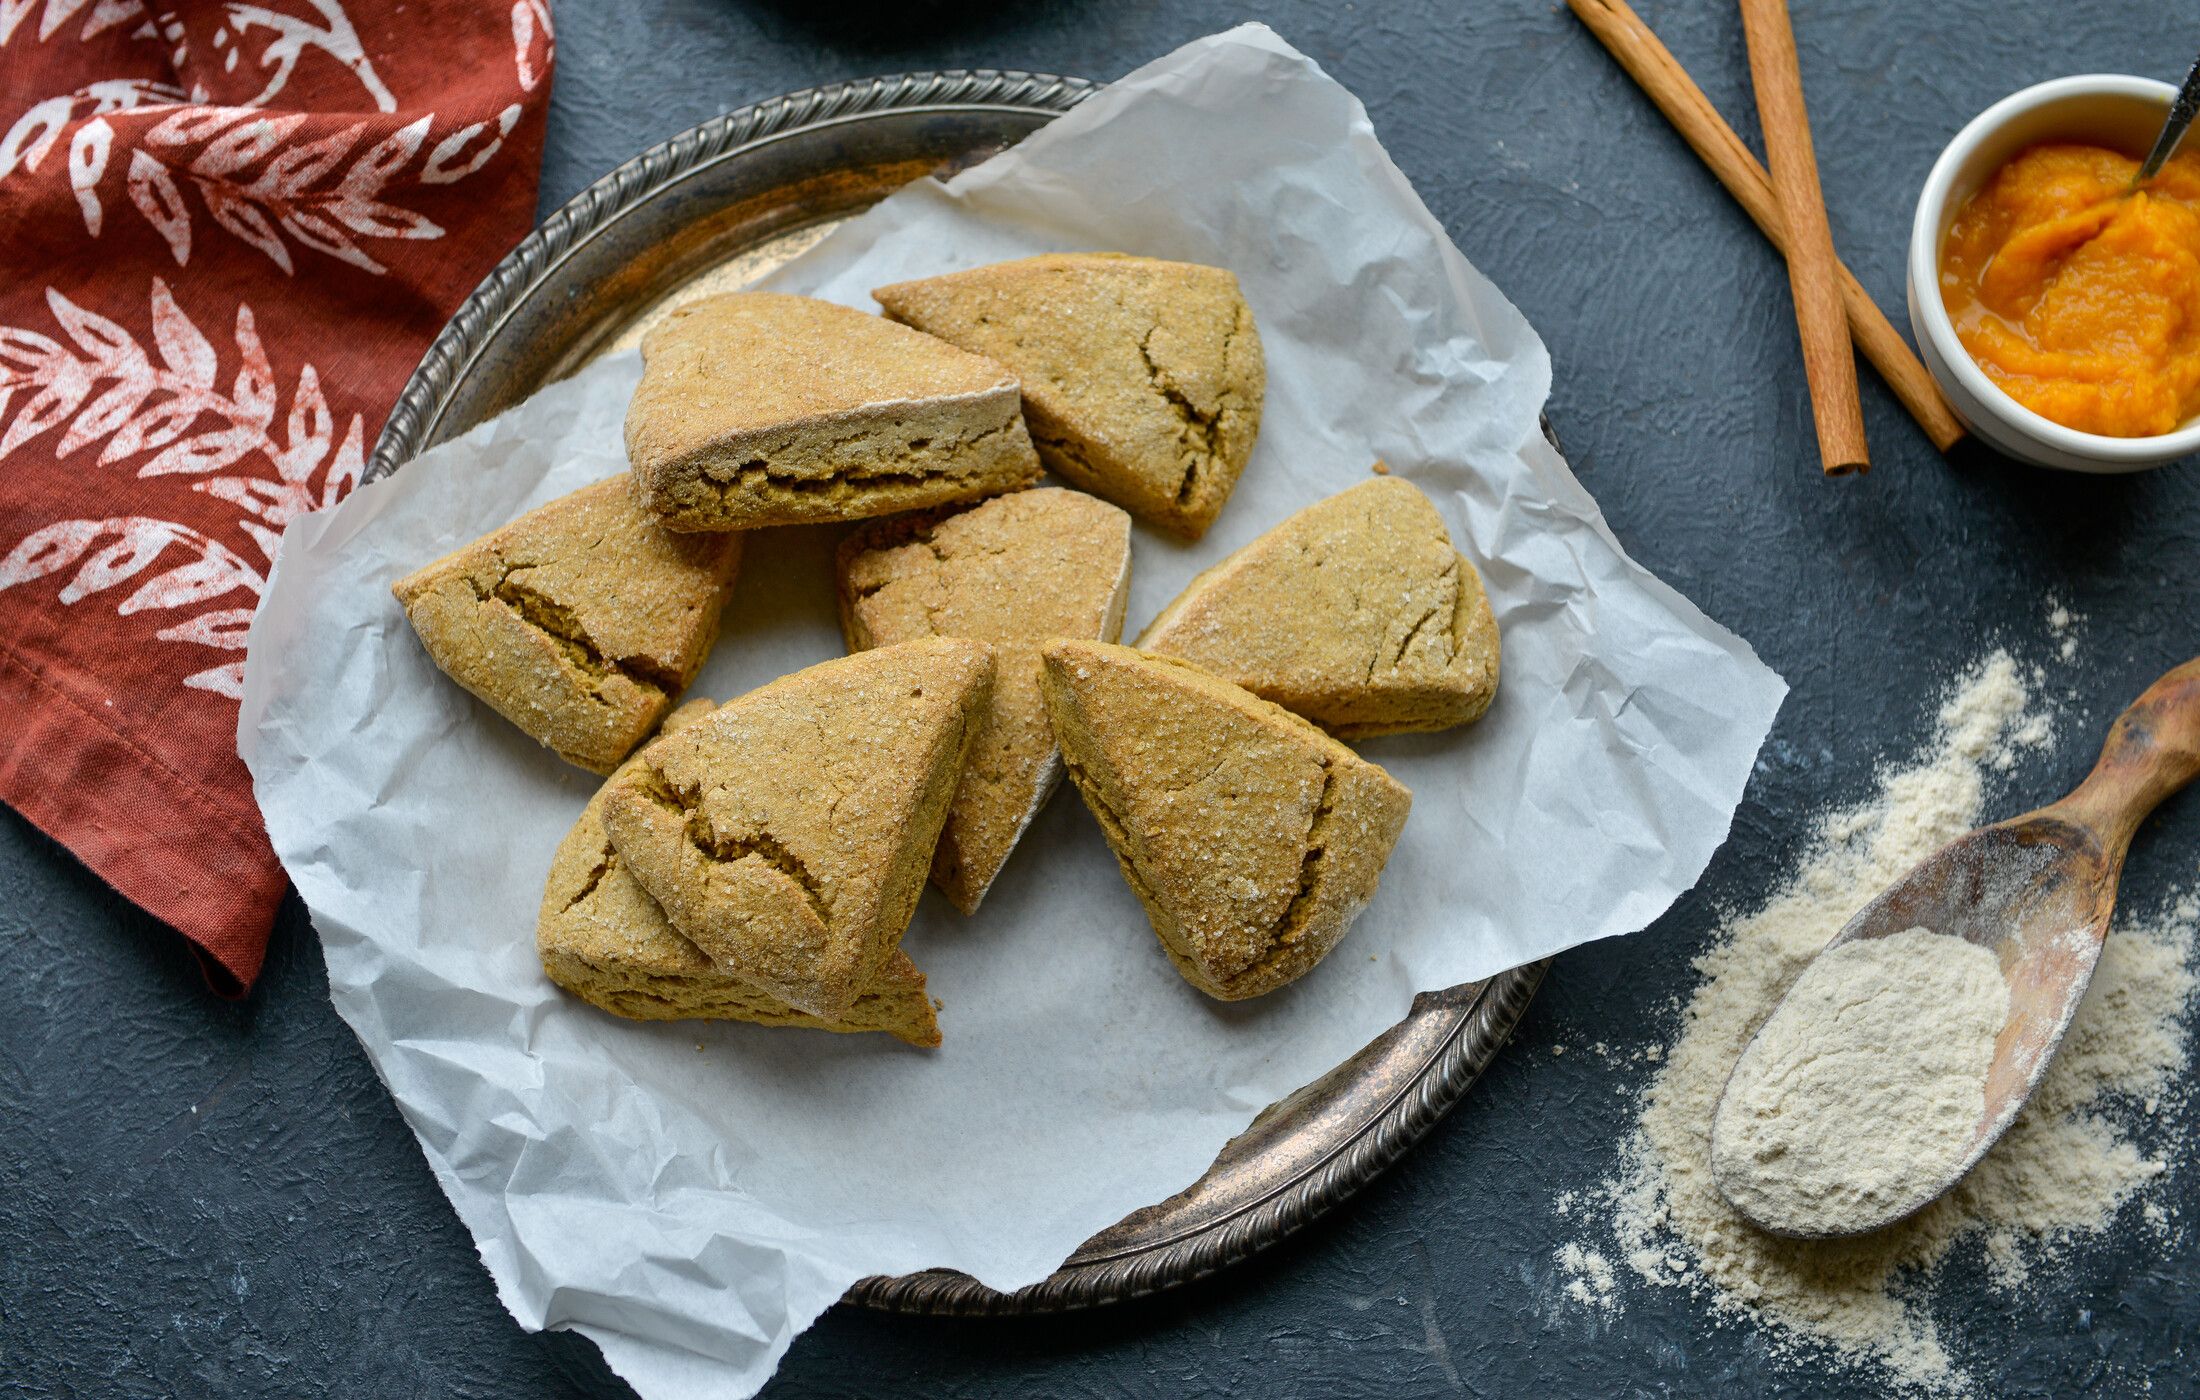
207 1199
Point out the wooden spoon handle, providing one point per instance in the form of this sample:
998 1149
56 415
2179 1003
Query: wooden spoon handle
2153 749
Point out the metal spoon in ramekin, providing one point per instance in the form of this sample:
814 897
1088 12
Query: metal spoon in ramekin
2173 127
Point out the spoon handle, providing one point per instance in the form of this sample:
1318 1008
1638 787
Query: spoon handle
2153 749
2173 128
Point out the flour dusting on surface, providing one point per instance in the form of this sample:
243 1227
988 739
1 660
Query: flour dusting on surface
1590 1279
2098 1135
2063 625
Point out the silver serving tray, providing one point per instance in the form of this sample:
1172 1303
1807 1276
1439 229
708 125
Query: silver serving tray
719 205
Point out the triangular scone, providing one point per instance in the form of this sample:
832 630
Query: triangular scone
787 834
1014 572
1142 379
1356 613
602 938
580 622
757 408
1252 838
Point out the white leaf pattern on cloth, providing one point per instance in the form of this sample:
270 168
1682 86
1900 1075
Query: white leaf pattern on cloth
334 36
104 16
153 190
87 162
530 27
442 167
171 412
303 195
35 132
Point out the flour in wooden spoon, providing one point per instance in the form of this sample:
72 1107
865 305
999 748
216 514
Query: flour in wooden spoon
2109 1116
1856 1102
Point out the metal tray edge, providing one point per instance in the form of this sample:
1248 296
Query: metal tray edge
416 416
1442 1082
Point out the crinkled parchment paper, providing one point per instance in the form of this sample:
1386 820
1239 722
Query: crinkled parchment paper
691 1196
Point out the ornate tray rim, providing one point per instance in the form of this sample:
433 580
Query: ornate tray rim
416 416
1103 1274
1091 1281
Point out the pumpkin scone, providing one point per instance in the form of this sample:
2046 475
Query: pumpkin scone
757 408
1356 613
602 938
787 833
1012 572
1252 838
1142 379
580 622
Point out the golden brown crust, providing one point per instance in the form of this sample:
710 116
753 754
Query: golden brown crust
1356 613
580 622
1011 572
757 408
1252 838
787 835
1142 379
602 938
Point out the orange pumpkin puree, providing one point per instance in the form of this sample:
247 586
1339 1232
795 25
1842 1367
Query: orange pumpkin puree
2080 301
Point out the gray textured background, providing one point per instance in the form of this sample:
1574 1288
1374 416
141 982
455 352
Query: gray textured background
202 1199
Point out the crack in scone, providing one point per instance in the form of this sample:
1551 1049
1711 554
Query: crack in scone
1413 634
562 627
1451 600
716 846
607 860
1284 934
1462 606
1196 426
1068 451
1292 922
1118 838
1195 431
918 527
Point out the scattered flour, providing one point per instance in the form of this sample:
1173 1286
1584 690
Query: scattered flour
1854 1104
2157 1218
2063 624
1590 1280
2065 1169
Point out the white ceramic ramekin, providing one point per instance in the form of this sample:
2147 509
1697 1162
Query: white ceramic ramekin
2103 109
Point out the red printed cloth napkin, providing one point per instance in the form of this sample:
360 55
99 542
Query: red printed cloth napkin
227 233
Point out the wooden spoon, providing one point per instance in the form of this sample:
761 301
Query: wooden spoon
2038 891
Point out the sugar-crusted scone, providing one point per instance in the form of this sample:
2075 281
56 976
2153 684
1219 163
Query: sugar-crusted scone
1142 379
602 938
757 408
787 834
1356 613
1013 572
1252 838
580 622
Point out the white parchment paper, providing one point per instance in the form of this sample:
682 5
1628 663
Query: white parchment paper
692 1196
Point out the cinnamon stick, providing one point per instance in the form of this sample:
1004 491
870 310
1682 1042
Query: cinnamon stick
1669 87
1829 361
